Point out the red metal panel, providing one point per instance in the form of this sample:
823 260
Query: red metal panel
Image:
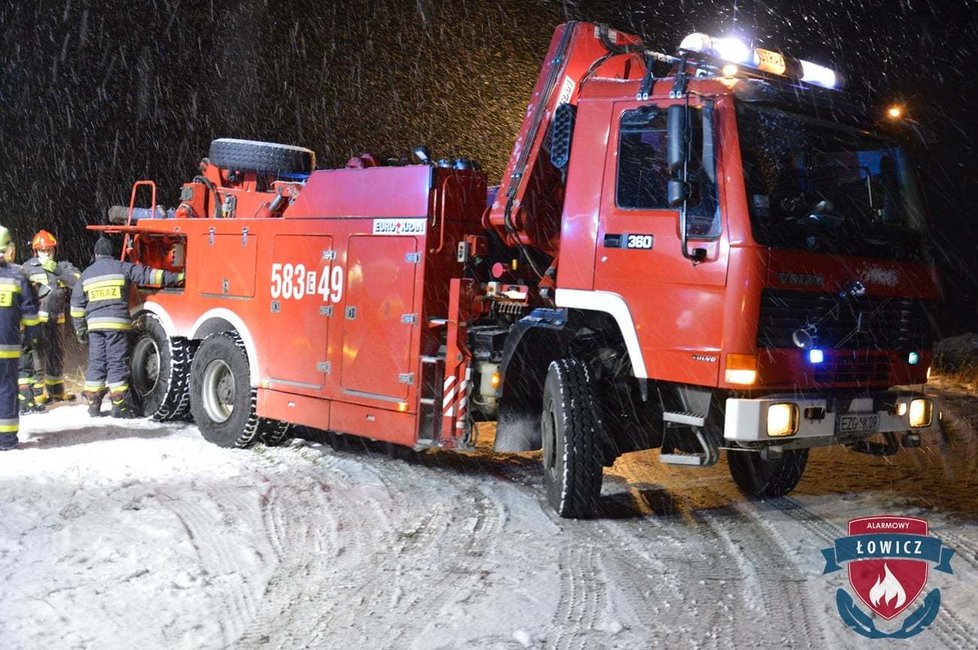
375 423
372 192
297 409
880 277
579 228
380 299
303 292
227 264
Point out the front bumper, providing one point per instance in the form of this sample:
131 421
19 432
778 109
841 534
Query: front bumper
824 420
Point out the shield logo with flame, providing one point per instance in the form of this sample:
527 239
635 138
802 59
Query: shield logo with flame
887 559
887 586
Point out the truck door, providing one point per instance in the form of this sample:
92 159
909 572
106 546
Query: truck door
378 319
677 306
303 289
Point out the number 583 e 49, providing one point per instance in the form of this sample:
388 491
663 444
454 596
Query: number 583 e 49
295 281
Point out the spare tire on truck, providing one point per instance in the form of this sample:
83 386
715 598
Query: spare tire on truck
160 375
261 157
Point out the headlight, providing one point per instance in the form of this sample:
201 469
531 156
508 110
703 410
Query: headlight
782 420
921 413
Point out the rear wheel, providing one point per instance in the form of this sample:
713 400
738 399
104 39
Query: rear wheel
221 398
275 432
160 371
772 477
571 426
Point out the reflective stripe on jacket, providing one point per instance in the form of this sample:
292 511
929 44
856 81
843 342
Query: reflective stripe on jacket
100 298
17 310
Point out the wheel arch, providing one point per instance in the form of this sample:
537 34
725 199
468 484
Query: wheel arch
545 336
222 319
615 307
161 314
527 353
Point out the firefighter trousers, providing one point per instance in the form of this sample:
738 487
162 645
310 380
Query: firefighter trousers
108 363
9 418
42 366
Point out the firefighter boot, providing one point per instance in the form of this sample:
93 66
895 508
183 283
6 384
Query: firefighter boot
25 401
40 395
94 402
56 392
122 406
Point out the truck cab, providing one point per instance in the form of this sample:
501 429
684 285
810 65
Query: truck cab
742 267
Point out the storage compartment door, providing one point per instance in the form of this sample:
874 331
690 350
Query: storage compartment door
378 319
302 289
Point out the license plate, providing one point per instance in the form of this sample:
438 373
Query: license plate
856 423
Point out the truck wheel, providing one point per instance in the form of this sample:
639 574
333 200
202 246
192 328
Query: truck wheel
760 478
261 157
221 398
275 432
570 426
160 371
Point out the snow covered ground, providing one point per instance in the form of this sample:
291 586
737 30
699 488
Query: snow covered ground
133 534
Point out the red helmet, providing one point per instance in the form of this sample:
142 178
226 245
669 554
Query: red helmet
43 240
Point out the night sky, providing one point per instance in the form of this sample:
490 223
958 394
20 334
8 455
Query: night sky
97 93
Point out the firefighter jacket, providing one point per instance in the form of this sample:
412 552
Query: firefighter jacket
52 287
100 298
18 310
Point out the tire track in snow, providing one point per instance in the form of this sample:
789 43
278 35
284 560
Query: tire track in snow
666 607
314 549
582 597
218 560
462 545
772 574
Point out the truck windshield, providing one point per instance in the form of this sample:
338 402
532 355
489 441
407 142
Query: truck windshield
824 187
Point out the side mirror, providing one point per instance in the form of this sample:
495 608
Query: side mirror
561 132
677 192
676 127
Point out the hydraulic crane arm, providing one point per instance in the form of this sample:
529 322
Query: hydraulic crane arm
528 204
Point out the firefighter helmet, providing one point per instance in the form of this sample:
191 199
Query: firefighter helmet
43 240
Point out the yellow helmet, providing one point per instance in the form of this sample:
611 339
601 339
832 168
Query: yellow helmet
4 237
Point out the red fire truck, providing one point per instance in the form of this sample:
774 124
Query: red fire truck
699 252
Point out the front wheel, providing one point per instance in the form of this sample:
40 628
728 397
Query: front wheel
221 398
571 426
760 478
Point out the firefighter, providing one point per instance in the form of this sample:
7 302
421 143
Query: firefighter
100 315
18 311
42 367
